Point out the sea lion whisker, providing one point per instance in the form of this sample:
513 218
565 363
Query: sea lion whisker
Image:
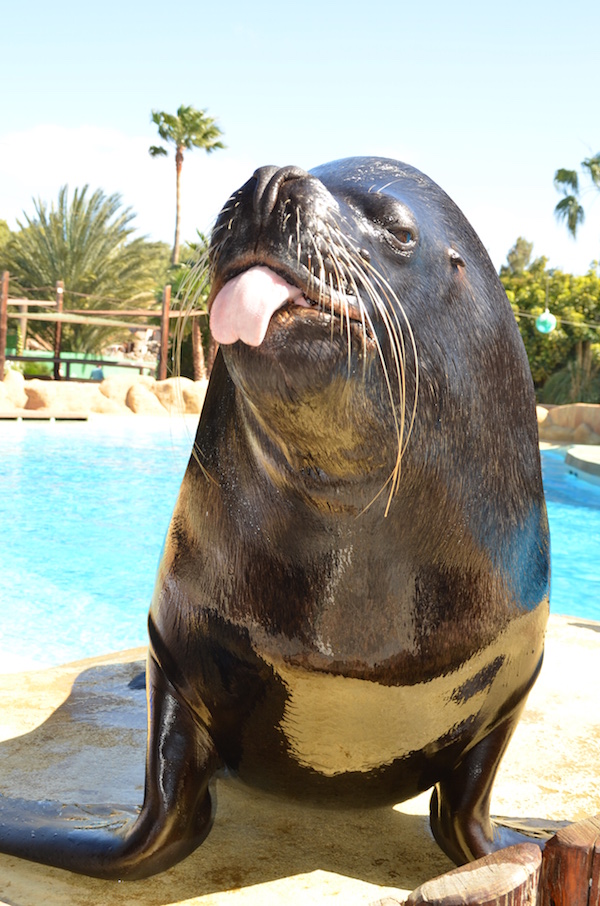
395 344
336 291
396 306
321 280
331 305
363 321
344 282
350 265
346 311
227 209
397 350
392 307
298 237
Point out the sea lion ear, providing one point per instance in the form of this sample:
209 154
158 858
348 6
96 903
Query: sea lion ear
456 258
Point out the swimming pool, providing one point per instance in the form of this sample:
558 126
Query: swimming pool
84 508
574 515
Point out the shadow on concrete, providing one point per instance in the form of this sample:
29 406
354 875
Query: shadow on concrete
587 624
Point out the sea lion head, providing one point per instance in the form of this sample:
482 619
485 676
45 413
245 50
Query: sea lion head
356 287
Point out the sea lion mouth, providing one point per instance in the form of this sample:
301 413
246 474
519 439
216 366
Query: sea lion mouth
248 299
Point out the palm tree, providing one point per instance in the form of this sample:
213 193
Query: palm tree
187 129
569 208
190 282
87 243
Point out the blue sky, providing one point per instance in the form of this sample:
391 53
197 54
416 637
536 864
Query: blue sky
488 99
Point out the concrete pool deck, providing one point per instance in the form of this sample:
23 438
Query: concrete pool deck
77 733
584 461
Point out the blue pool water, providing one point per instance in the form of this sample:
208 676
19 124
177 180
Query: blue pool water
84 508
574 515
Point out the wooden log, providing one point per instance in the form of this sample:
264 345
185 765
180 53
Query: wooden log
22 328
70 318
594 899
508 877
37 303
570 873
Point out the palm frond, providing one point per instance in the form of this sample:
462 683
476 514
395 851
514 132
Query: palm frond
571 212
188 128
87 243
566 178
592 165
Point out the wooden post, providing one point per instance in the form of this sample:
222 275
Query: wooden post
22 328
164 333
571 866
508 877
3 321
60 291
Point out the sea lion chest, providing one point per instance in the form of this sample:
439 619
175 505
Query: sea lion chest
332 651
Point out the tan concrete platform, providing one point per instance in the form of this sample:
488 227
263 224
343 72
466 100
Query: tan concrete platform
77 733
584 462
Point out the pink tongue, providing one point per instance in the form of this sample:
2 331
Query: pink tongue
243 308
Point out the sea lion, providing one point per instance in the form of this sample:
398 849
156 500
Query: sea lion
352 597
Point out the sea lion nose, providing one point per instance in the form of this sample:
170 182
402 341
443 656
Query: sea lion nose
269 181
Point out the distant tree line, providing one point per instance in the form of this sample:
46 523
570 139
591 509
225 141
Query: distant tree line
87 241
565 363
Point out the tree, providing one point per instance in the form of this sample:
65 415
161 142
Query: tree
564 364
87 243
569 208
519 256
194 347
187 129
5 233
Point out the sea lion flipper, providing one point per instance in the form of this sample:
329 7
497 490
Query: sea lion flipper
175 818
460 803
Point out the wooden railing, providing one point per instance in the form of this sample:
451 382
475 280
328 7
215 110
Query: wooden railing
79 316
58 361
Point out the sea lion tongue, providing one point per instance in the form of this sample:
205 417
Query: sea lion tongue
243 308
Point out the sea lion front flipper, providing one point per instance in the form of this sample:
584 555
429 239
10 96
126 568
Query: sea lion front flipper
460 803
175 818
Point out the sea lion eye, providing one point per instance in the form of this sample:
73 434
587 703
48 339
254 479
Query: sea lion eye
394 222
400 237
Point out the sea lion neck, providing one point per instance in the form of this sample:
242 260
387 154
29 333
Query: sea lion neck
316 446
